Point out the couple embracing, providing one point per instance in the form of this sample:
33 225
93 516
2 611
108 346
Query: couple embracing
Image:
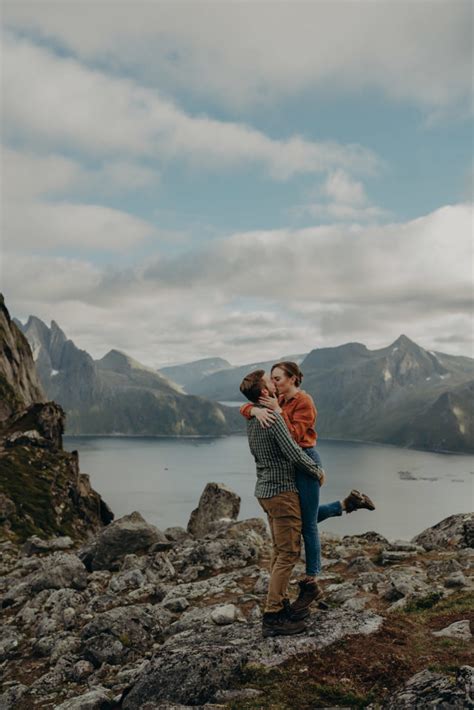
282 439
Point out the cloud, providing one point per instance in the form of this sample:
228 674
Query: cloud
40 226
345 200
254 53
27 174
82 109
255 295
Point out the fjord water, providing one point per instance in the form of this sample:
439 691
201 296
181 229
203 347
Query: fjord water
163 479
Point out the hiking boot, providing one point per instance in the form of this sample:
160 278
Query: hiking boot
356 500
309 591
278 623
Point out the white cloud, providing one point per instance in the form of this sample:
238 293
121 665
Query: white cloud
258 52
258 294
344 200
39 226
87 110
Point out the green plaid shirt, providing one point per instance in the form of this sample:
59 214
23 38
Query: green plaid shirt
276 455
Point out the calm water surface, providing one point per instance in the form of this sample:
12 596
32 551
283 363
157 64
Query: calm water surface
163 479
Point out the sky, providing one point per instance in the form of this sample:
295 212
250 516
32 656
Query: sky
246 180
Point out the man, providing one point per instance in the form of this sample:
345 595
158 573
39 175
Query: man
276 455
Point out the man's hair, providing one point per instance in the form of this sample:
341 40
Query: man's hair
252 385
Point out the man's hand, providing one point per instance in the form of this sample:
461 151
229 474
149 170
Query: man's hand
265 416
270 403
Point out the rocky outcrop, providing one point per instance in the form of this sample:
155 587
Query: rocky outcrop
178 623
217 502
19 383
457 531
42 490
428 689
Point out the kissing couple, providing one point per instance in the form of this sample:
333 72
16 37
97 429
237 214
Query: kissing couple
282 439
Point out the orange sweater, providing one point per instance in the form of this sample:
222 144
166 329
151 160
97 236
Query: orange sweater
299 414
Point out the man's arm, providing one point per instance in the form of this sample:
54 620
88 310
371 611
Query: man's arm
292 451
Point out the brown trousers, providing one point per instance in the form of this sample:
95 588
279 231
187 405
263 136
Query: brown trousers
284 517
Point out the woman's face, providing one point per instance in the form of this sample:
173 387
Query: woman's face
281 380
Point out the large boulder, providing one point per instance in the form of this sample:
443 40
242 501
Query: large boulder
217 502
128 534
190 667
451 533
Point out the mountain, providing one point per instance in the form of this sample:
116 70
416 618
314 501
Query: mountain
224 385
117 394
42 490
401 394
191 373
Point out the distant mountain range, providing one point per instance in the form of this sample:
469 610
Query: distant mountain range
401 394
217 379
118 395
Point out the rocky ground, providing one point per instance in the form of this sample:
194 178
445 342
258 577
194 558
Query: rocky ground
140 618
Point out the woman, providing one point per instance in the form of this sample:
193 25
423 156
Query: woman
297 408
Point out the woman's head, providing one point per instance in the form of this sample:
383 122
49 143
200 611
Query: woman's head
286 375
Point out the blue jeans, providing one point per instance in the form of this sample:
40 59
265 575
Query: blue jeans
312 513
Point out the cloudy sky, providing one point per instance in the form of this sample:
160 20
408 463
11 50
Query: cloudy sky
239 179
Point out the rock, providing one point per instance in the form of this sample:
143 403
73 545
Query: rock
11 697
82 670
404 546
408 582
26 438
226 696
9 642
442 568
435 690
176 604
389 557
7 508
192 667
176 534
128 534
112 636
453 532
35 544
216 502
226 614
59 570
456 580
459 630
361 564
97 699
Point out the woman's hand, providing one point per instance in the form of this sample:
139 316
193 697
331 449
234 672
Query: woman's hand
270 403
265 416
322 477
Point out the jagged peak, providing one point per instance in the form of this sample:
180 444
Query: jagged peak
120 361
404 342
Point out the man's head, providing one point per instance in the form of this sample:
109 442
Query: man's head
256 384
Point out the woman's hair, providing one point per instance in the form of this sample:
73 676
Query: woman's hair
290 369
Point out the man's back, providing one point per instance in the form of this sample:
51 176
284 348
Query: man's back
275 473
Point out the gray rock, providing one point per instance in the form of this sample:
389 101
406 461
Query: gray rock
176 534
456 580
408 582
114 635
225 614
216 502
435 690
442 568
360 564
458 630
97 699
453 532
128 534
176 604
11 697
35 545
389 557
82 670
10 641
404 546
59 570
192 668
